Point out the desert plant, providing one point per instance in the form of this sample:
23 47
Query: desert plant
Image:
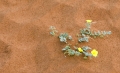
100 33
64 37
84 36
79 51
68 50
53 30
86 32
85 50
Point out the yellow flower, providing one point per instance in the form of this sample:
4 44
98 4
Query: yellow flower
80 50
88 21
94 52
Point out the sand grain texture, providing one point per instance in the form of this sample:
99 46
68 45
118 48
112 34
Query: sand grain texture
27 47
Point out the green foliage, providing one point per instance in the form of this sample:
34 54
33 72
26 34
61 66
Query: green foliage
66 48
64 36
70 51
87 54
100 33
53 30
77 53
83 39
85 48
85 33
88 25
86 51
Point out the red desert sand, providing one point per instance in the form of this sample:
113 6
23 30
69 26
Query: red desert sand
27 47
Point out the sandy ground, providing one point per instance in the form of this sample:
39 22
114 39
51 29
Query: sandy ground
27 47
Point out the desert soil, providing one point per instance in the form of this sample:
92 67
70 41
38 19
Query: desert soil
27 47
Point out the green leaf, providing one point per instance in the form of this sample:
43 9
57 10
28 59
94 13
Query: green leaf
84 39
77 53
71 52
85 48
52 33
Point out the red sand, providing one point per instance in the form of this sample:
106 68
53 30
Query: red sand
27 47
